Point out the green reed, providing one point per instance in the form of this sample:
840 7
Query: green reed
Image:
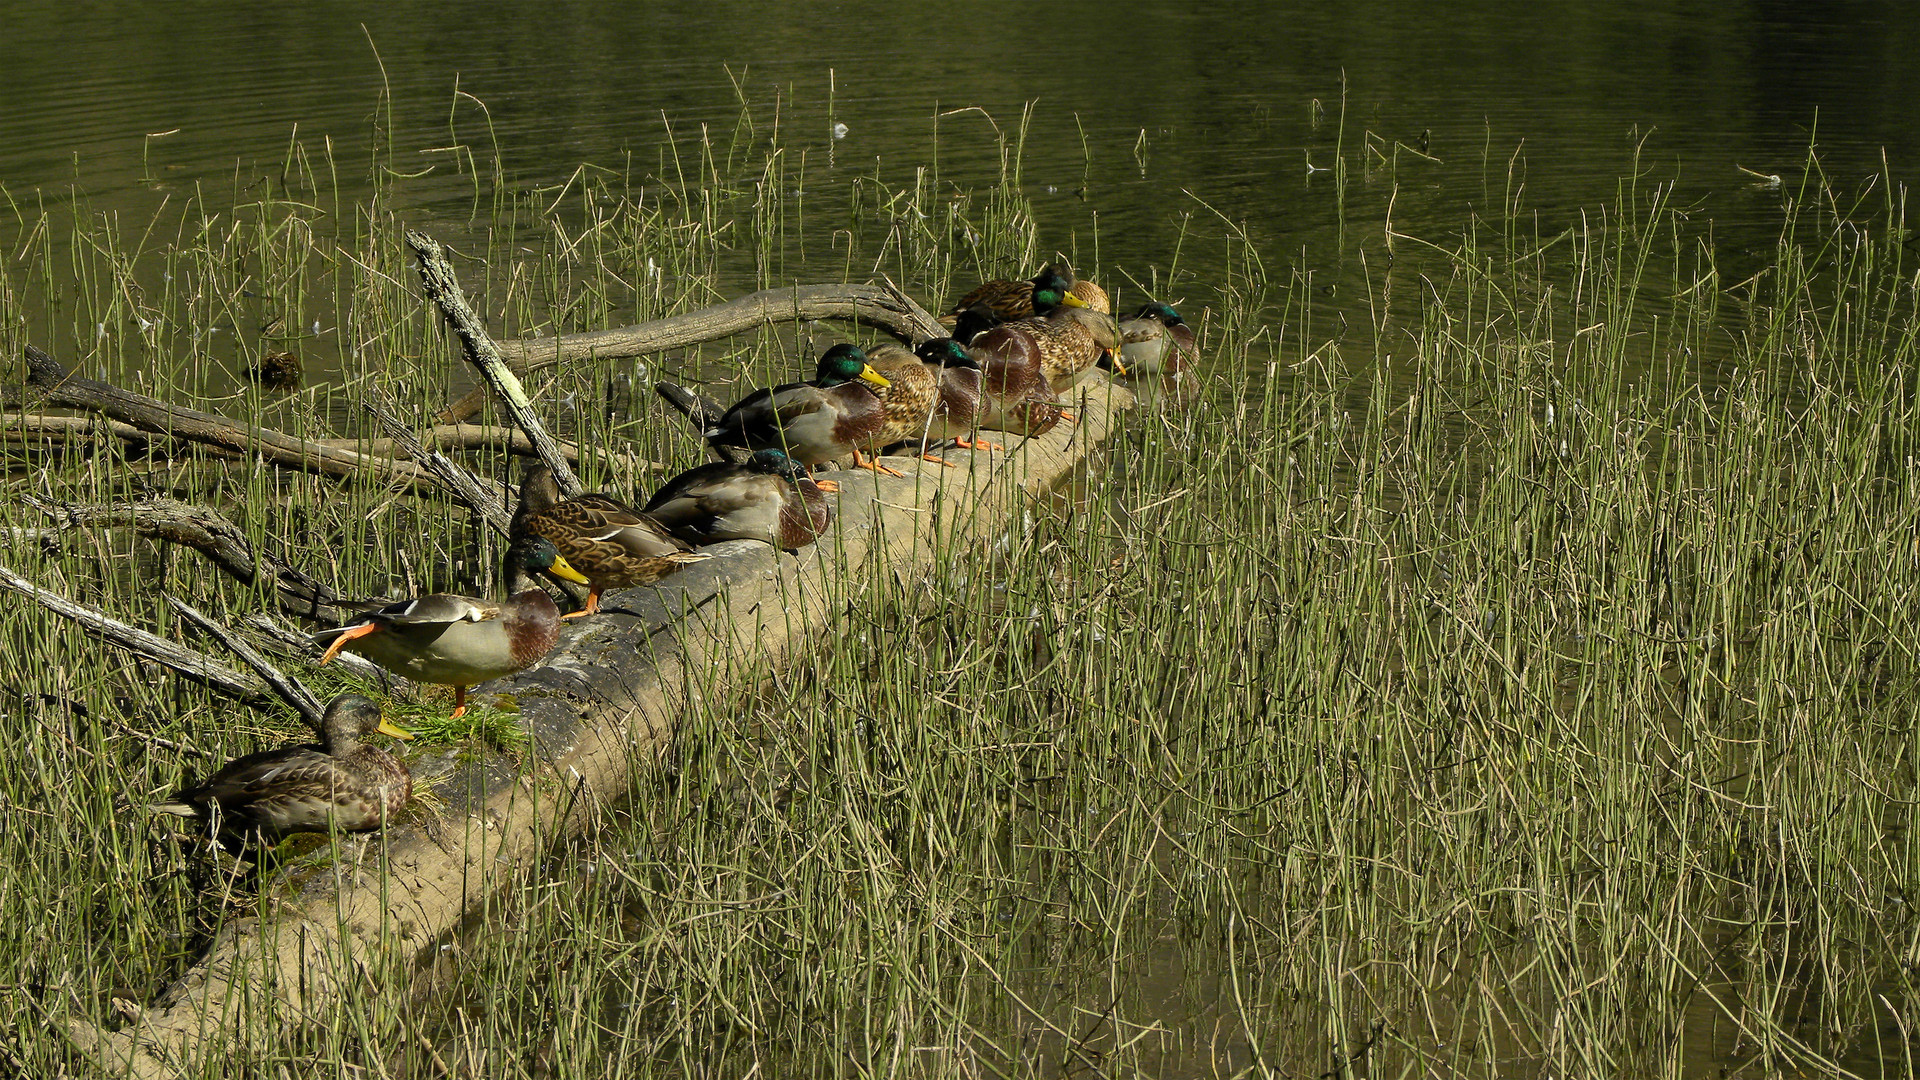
1518 684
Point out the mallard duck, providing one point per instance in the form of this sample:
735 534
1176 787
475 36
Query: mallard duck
812 422
459 640
1158 346
342 782
1015 396
609 544
769 497
1071 336
963 398
1004 301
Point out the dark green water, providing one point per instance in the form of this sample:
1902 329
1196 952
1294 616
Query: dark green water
1138 104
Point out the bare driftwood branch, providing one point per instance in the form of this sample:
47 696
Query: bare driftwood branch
882 306
443 288
59 387
291 690
293 643
189 662
483 497
214 536
449 437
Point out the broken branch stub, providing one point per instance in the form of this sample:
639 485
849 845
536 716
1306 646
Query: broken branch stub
443 288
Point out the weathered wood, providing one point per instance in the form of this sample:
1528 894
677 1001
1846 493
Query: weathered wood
451 437
443 288
192 663
882 306
291 690
214 536
483 497
55 385
601 706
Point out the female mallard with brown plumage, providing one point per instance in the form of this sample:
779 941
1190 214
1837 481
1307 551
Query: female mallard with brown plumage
340 783
459 640
933 395
996 302
769 497
611 545
811 422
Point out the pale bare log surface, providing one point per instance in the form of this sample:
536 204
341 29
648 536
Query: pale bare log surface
192 663
882 306
601 707
443 288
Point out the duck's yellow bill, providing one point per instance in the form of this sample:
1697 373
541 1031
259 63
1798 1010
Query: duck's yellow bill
1073 301
1113 357
564 569
867 374
388 727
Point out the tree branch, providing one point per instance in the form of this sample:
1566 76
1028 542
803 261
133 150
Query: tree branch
881 306
443 288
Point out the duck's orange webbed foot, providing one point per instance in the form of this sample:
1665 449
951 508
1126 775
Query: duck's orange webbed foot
861 463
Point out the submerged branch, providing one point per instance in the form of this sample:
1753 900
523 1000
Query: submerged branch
58 386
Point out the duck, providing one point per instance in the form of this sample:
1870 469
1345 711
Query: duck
460 640
1158 345
1015 395
339 783
812 422
996 302
1072 337
769 497
933 395
961 380
609 544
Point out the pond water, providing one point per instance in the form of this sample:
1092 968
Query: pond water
1138 116
1142 117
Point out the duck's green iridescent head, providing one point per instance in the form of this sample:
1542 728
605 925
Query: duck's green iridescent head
946 352
845 363
537 555
775 463
1052 287
1163 312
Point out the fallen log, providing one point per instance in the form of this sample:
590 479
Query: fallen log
602 706
55 385
881 306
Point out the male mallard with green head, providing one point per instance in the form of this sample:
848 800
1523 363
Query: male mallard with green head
340 783
1158 346
460 640
769 497
996 302
812 422
606 542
